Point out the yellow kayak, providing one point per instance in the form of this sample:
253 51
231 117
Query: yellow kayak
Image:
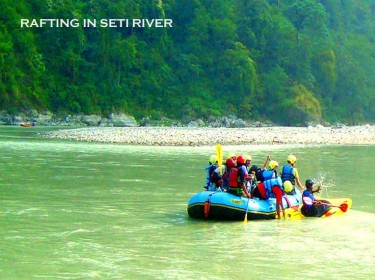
327 208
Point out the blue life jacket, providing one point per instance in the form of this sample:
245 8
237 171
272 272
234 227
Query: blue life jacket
209 169
268 184
267 174
287 174
309 195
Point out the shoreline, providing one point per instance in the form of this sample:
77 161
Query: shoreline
203 136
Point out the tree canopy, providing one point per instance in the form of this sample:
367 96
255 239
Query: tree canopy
288 61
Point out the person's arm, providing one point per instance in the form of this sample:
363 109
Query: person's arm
244 189
298 182
265 163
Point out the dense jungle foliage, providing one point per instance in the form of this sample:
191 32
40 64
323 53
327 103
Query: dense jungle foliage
288 61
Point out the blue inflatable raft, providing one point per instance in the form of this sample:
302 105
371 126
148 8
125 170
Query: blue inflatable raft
225 206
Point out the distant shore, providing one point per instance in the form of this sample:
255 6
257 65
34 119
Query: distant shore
185 136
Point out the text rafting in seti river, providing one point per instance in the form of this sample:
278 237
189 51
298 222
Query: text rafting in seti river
103 23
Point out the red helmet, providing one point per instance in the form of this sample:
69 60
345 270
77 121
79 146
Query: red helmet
230 162
240 159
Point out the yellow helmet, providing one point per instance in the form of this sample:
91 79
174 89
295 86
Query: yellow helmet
288 187
247 157
273 164
292 159
213 159
231 155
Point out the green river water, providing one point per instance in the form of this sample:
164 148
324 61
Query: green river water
73 210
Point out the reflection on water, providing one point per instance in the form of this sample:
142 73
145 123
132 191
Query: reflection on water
80 211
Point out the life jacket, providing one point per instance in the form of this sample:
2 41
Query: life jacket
266 174
225 178
308 208
233 178
307 200
287 174
209 170
270 183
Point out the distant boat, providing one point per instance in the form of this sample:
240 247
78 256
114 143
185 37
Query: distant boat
27 124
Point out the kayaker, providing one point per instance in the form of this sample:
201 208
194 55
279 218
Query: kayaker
238 177
309 207
289 172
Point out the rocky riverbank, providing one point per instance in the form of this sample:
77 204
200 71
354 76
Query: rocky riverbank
49 119
201 136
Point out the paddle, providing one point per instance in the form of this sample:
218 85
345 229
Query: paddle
343 206
247 209
219 154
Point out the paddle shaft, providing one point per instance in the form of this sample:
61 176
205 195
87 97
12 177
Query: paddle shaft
247 209
343 206
219 154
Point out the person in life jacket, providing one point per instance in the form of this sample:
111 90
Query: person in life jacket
251 184
221 181
238 177
248 160
271 188
254 171
289 172
309 207
270 173
212 165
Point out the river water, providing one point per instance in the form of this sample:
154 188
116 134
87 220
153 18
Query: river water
73 210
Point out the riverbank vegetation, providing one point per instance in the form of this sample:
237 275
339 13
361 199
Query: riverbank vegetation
289 61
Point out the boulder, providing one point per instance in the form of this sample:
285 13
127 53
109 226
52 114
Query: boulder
5 119
45 118
238 123
92 120
197 123
122 120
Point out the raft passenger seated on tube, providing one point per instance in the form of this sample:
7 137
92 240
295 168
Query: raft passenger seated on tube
238 177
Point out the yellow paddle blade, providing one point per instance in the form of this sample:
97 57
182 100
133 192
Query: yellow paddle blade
219 154
247 209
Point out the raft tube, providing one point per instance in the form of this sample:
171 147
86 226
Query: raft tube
225 206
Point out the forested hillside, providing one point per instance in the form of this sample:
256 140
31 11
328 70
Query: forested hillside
288 61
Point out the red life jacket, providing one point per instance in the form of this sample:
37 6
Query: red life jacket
233 178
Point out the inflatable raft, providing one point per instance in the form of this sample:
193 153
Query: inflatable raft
328 207
224 206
